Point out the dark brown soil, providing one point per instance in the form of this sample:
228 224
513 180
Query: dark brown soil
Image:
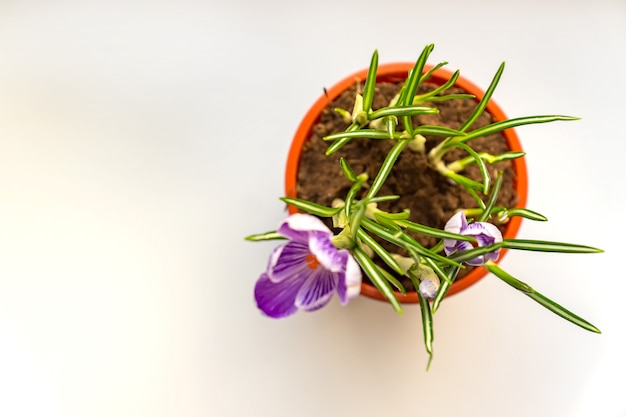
430 197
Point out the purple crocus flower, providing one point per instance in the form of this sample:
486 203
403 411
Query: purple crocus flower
485 233
304 273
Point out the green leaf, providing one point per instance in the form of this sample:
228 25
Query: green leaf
528 214
427 319
540 298
438 270
482 104
437 131
449 83
431 231
393 281
517 211
273 235
401 111
312 208
380 251
444 287
510 123
339 143
492 199
386 167
404 241
546 246
377 278
474 252
412 245
351 195
481 166
345 114
430 72
384 198
416 74
362 133
463 181
436 99
427 326
370 83
387 222
356 216
347 170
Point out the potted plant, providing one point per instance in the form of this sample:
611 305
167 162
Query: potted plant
368 235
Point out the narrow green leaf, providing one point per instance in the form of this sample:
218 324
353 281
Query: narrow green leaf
482 104
478 200
336 145
311 208
384 198
430 72
449 83
362 133
345 114
386 167
273 235
351 195
484 173
387 222
403 215
412 245
404 241
393 281
380 251
427 326
370 83
347 170
463 181
457 166
339 143
527 214
390 123
416 74
437 131
540 298
517 211
546 246
474 252
444 287
356 216
509 123
436 99
377 278
438 270
427 319
401 111
492 199
431 231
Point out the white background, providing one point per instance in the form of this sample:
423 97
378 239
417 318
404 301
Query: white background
141 141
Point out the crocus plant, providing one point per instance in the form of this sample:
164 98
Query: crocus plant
315 262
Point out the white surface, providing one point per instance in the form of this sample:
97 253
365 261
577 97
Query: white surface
141 141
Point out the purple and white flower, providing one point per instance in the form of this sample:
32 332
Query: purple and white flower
304 273
485 233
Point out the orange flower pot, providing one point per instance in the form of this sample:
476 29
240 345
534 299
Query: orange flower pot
397 72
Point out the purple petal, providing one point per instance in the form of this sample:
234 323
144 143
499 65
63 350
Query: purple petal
456 246
428 288
287 261
297 227
317 290
349 281
276 300
457 223
326 253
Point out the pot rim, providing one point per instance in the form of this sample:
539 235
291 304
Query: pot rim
398 72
